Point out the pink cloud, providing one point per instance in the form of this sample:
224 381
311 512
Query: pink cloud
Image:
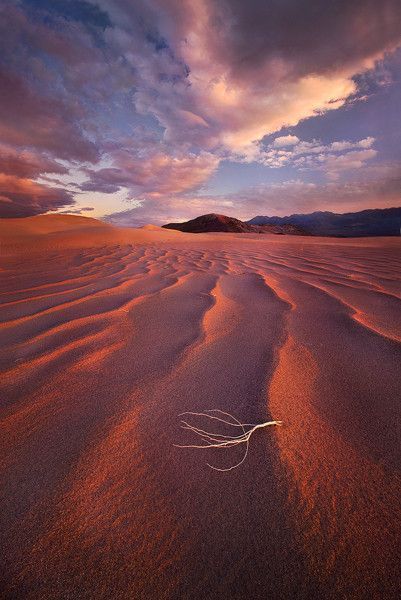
21 197
27 163
154 174
253 67
285 140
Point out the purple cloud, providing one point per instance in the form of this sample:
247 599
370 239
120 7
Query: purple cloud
25 198
154 173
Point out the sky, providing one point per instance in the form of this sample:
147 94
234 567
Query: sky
152 111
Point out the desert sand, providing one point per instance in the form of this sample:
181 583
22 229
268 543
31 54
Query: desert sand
108 334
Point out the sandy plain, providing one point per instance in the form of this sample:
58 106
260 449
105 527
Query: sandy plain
108 334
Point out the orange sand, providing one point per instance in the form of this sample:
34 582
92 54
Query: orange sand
107 334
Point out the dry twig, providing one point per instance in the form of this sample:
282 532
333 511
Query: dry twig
212 439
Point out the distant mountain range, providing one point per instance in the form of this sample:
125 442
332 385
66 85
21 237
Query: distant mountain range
373 222
220 223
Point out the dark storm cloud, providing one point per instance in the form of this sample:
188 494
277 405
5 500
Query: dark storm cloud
27 164
25 198
308 36
76 10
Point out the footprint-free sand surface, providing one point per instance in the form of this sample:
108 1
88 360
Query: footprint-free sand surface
108 334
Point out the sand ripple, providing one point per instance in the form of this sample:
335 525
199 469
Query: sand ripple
102 346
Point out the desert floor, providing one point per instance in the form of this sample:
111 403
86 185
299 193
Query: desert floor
107 335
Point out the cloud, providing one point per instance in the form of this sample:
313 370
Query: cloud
76 10
38 108
205 80
333 164
27 163
21 197
155 173
285 141
333 158
255 67
295 38
76 211
41 114
340 146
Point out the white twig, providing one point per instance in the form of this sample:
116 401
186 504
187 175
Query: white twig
212 439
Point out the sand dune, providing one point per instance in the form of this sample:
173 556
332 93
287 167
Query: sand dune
108 334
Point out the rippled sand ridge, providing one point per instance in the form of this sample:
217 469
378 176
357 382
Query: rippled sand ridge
107 335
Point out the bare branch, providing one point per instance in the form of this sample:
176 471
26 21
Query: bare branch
214 439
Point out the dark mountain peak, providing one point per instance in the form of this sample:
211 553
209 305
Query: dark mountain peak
213 222
212 216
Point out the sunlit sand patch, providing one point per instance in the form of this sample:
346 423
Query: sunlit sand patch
95 360
345 506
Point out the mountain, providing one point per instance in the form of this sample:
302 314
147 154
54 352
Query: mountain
215 223
371 222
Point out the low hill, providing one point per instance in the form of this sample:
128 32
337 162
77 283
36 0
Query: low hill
221 223
371 222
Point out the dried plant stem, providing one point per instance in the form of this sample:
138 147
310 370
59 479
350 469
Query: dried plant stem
213 439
